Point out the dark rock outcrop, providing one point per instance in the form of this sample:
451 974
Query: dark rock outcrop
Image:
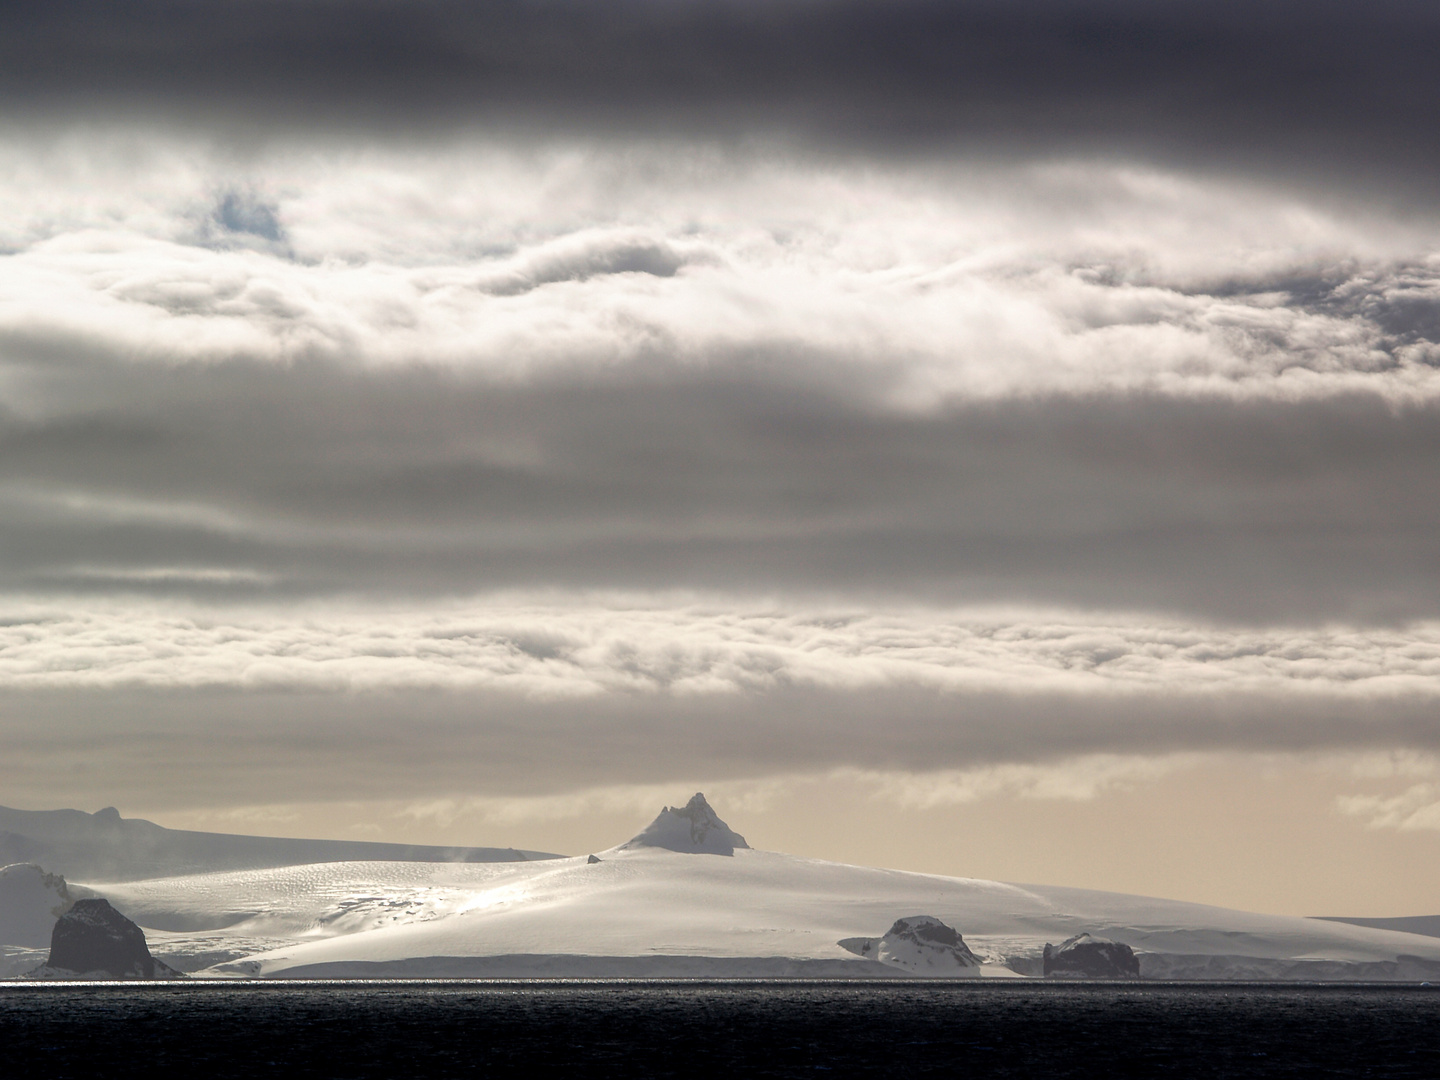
922 945
592 860
94 940
1087 957
924 931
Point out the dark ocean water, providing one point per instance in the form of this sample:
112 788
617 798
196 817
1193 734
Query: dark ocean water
735 1029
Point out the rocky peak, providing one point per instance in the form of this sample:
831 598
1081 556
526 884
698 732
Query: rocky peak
694 828
94 940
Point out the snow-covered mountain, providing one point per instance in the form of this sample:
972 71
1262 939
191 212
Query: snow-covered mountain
694 828
677 908
105 846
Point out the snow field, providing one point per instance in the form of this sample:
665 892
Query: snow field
643 902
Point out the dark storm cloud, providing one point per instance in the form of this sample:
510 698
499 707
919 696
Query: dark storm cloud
313 479
1343 85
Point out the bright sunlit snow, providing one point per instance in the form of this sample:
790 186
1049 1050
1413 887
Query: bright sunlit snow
645 909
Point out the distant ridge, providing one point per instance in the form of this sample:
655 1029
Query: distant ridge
103 846
1424 925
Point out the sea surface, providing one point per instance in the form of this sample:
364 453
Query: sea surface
730 1029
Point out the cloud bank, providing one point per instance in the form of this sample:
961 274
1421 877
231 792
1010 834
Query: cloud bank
531 699
449 401
587 647
1083 384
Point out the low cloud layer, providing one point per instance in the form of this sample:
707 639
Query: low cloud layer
250 484
1075 780
519 699
571 648
1076 384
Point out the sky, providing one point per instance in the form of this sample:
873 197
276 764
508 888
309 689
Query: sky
992 439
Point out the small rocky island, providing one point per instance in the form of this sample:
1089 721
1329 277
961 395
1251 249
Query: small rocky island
94 941
921 945
1087 957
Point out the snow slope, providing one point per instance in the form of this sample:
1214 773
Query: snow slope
756 912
